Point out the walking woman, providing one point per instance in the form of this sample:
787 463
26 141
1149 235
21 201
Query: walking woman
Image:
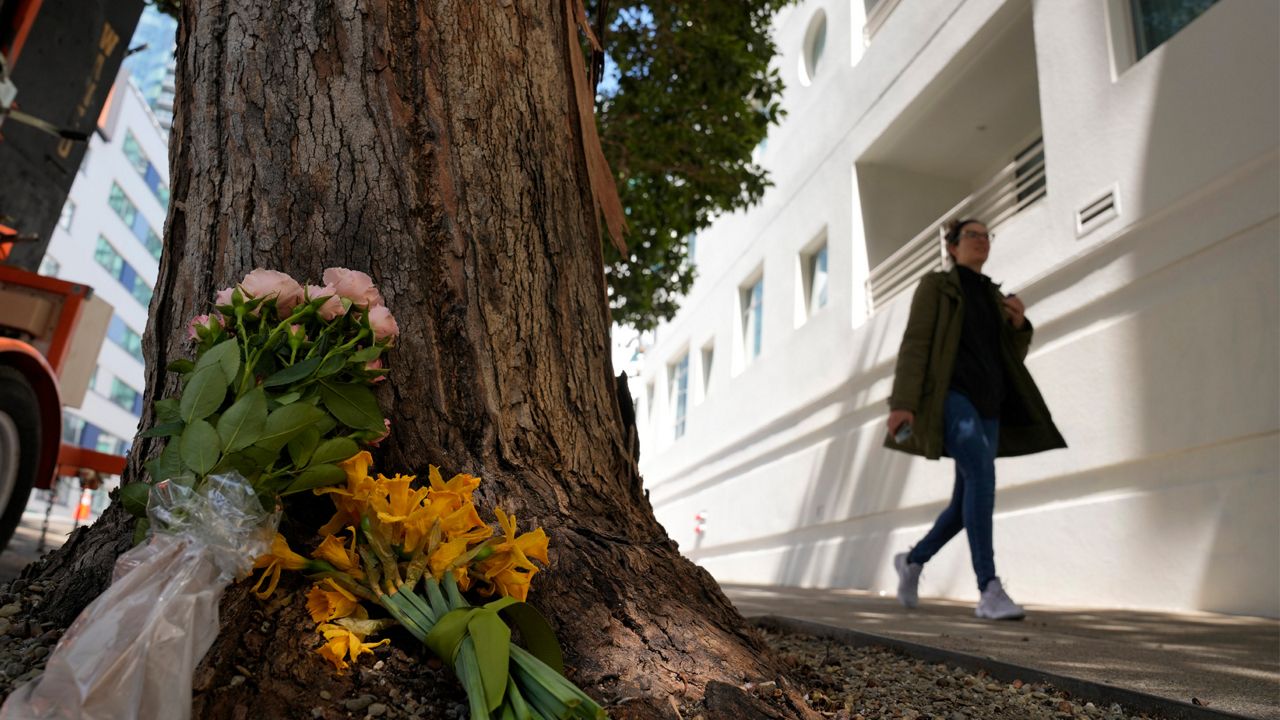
961 390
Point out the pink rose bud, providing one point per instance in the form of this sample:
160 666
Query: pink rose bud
383 324
354 286
196 323
332 307
377 441
223 297
375 364
261 283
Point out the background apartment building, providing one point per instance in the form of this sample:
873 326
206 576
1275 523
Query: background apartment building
1125 154
109 237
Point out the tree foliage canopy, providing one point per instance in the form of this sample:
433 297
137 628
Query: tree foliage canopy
687 95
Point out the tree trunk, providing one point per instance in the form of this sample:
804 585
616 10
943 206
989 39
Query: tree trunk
437 148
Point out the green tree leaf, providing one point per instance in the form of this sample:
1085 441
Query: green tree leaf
134 498
287 398
353 405
226 356
200 447
316 476
302 447
293 373
166 465
168 429
285 424
203 395
334 450
331 365
181 366
243 423
363 356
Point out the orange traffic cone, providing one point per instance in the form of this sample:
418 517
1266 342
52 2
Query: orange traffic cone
83 509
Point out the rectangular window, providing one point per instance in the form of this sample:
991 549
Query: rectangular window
125 396
138 159
68 212
50 267
648 398
106 443
124 336
708 361
72 426
678 375
752 300
815 279
138 224
110 260
1155 21
1029 173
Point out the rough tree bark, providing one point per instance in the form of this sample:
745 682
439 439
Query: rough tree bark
435 146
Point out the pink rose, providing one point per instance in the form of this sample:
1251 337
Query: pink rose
383 324
375 364
354 286
261 283
377 441
223 297
196 323
332 307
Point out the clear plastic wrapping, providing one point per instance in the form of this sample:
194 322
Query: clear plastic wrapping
133 651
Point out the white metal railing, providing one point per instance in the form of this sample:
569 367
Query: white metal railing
1013 188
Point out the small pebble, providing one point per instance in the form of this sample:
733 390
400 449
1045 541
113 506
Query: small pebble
237 680
377 710
10 610
358 704
325 695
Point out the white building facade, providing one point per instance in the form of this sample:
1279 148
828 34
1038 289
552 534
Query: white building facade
109 238
1125 155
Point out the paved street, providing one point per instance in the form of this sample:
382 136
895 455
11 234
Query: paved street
25 547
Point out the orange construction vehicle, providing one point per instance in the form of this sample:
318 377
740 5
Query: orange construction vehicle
50 329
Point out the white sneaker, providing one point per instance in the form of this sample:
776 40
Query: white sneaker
908 580
995 604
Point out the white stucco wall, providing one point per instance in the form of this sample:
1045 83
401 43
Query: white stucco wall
1157 333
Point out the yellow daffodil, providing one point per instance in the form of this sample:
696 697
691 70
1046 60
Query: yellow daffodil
329 600
351 500
465 523
280 558
509 569
443 558
341 643
344 558
395 499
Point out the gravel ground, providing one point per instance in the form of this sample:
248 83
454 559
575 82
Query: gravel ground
839 681
852 683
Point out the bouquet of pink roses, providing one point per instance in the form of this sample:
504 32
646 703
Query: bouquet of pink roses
280 387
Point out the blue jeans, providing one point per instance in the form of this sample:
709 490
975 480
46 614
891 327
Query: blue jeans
972 440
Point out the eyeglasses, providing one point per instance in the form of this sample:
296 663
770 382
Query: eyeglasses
975 235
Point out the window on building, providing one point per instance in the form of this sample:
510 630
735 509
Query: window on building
708 361
50 267
68 212
153 243
110 260
1155 21
648 399
138 159
72 426
815 43
814 271
678 382
752 301
1029 173
125 396
107 443
128 212
124 336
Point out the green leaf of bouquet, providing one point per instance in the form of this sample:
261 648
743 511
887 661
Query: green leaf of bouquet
331 365
284 424
287 398
334 450
168 464
242 424
302 447
492 640
536 632
200 446
182 366
167 410
168 429
203 395
316 476
293 373
225 355
140 530
354 405
363 356
134 498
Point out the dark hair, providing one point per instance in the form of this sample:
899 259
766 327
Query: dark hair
953 229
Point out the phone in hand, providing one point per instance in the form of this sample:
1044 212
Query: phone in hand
903 434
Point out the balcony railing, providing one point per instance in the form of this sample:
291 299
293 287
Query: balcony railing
1013 188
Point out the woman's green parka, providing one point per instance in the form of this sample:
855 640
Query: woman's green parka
927 358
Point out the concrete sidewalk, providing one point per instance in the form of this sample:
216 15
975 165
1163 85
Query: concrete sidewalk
1149 661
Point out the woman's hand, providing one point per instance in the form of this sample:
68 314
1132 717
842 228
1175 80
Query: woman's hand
1017 311
897 417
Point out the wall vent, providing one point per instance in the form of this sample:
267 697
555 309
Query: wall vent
1097 212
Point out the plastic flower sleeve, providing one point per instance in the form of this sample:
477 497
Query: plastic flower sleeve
133 651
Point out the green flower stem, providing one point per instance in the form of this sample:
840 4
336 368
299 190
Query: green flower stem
467 668
409 621
519 708
421 605
455 596
544 702
347 582
391 570
438 603
553 682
